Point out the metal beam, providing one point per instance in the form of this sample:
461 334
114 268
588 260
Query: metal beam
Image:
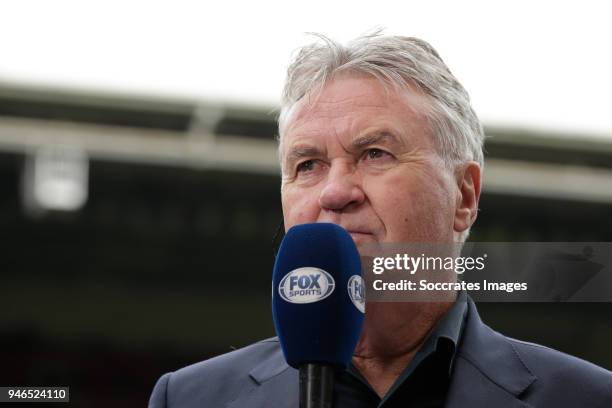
157 147
205 150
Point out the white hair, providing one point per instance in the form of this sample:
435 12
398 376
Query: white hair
399 62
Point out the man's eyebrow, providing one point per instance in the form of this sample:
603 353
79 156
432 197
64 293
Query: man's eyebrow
298 152
374 138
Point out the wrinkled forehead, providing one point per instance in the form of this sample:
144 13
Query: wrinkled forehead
347 102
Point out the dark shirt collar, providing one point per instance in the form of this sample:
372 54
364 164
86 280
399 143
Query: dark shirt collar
443 342
450 328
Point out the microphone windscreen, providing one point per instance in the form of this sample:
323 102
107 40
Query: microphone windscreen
318 295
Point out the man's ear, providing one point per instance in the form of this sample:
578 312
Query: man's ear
468 194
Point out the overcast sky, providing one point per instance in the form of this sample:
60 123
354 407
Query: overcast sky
535 64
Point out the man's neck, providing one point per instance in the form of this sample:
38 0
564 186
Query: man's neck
392 334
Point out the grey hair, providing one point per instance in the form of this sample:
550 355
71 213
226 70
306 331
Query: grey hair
399 62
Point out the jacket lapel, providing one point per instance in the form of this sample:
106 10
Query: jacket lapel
274 384
488 370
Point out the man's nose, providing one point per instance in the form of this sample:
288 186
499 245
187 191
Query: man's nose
342 189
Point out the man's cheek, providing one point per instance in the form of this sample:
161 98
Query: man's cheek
300 210
307 212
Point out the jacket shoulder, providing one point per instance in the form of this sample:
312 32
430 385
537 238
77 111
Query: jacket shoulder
216 380
562 373
490 365
235 363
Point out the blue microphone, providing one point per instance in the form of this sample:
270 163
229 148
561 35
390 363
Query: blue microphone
318 305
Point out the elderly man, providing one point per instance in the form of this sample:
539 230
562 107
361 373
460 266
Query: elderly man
379 137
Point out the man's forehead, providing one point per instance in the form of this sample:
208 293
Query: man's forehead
349 106
347 97
341 96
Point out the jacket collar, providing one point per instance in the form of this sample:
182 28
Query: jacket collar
275 384
494 355
489 371
270 367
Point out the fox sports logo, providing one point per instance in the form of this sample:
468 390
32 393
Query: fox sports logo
306 285
356 291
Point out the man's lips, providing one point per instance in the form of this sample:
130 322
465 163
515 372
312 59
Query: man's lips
360 236
358 233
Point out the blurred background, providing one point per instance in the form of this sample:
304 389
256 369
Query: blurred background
139 189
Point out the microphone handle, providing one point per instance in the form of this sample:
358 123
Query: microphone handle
316 385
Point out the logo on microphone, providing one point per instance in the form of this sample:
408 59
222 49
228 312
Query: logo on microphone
356 291
306 285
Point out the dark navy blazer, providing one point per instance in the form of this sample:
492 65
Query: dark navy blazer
490 370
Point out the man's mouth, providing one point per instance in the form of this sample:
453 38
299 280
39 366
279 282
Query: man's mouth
360 237
359 234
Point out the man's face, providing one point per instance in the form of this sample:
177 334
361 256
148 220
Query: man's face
364 158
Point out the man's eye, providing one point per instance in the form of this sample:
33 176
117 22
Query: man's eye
373 154
307 165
